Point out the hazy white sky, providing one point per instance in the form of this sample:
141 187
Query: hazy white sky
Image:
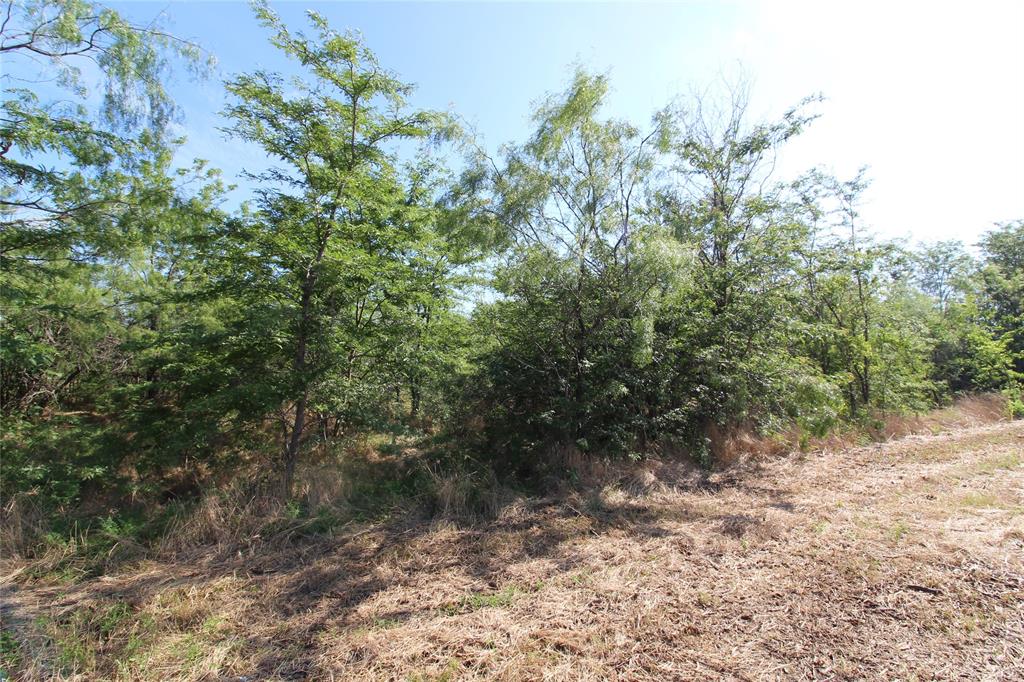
929 95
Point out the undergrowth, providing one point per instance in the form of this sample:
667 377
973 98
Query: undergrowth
374 483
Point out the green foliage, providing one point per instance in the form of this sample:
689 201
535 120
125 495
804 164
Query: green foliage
57 218
599 289
1001 299
10 653
91 246
943 270
1015 401
342 258
476 601
636 308
579 283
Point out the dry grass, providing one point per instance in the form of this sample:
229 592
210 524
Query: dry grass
896 560
22 525
741 443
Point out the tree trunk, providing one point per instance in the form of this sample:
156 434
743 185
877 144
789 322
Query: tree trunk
291 452
291 449
414 399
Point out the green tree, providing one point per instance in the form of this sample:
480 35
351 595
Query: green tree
327 253
67 172
1001 301
865 329
942 270
577 285
720 201
84 194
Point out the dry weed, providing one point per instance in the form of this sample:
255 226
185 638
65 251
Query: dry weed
871 562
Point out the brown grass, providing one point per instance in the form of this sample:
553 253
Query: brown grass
22 524
893 560
740 443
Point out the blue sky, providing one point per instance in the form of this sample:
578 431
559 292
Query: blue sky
929 95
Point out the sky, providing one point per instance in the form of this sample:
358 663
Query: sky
929 96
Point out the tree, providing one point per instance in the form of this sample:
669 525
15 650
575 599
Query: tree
84 195
864 327
1002 297
576 282
720 201
942 271
60 215
327 249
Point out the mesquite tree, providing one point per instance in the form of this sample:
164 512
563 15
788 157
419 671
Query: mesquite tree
329 241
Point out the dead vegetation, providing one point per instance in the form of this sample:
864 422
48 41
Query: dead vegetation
894 560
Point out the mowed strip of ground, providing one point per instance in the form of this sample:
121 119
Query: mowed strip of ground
903 560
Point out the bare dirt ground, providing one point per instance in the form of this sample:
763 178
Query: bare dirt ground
900 561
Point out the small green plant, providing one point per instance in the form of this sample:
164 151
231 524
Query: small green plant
581 578
385 623
476 601
293 510
73 651
1015 408
979 500
707 600
113 617
212 625
899 530
10 654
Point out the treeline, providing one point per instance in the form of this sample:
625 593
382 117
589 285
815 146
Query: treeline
602 287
